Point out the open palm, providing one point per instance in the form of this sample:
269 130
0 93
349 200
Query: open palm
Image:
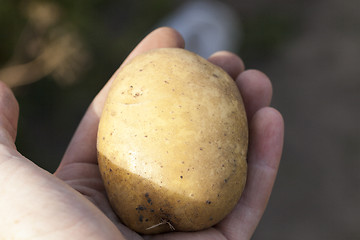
72 203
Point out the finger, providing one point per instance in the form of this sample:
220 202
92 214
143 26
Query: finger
228 61
82 147
256 91
9 114
266 142
163 37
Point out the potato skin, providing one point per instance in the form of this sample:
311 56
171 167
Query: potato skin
172 143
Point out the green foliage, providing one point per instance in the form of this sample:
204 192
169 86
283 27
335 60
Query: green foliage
107 30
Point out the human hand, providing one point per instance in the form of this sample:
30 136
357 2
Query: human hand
72 203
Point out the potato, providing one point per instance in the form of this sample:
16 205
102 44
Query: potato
172 143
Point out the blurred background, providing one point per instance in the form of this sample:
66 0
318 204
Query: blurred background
56 55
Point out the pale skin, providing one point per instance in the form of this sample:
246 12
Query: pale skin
71 203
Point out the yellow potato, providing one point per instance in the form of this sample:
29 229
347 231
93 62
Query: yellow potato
172 143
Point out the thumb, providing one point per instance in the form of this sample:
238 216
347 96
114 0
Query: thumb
9 114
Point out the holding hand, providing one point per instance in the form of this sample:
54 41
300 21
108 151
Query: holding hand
72 203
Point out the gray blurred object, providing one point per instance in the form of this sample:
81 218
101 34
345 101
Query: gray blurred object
207 26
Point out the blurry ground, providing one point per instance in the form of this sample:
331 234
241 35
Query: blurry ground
310 50
317 88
